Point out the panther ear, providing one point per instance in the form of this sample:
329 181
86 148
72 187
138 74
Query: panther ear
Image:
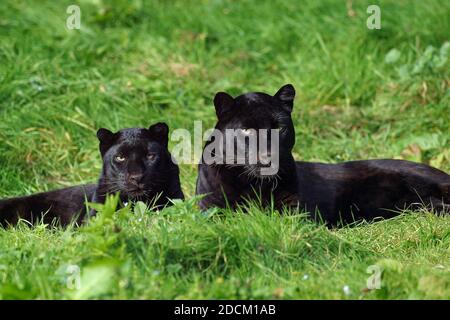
286 94
106 139
160 132
223 103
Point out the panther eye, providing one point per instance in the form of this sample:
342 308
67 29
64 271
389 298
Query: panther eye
247 131
119 158
151 156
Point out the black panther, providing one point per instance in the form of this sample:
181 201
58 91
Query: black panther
332 193
136 164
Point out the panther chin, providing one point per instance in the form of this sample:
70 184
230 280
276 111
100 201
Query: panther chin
260 171
136 193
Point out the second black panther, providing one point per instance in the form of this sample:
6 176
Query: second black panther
333 193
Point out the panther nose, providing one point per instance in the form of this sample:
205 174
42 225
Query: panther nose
135 178
264 157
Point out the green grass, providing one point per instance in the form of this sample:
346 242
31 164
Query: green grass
360 94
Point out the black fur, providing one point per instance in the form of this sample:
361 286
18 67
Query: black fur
345 192
64 205
136 163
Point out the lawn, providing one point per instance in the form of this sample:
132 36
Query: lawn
360 94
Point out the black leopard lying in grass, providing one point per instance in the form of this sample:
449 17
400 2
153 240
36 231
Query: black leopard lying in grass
334 193
136 163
